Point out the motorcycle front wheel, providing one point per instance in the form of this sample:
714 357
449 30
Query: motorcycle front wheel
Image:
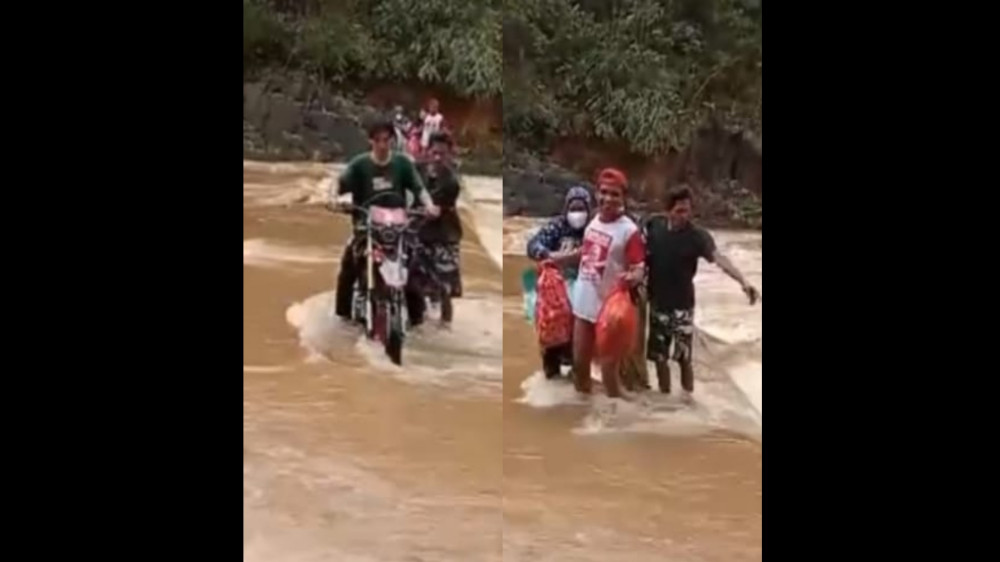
395 336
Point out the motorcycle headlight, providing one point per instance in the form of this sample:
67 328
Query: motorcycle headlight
387 236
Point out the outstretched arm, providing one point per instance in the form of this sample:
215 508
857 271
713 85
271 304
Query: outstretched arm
731 270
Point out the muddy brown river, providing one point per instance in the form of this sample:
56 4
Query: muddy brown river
466 453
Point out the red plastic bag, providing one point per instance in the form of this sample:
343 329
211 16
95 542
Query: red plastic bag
553 313
617 325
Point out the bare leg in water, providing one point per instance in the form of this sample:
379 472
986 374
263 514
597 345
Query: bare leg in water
609 376
687 378
583 354
663 376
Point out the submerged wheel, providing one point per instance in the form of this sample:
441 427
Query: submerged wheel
394 346
379 323
394 331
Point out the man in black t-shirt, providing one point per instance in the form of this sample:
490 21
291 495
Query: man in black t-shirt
442 236
673 246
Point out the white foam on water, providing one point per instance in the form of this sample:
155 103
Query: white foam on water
749 377
482 196
307 183
524 543
717 406
321 332
540 392
467 357
724 314
264 369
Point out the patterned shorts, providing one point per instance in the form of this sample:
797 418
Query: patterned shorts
672 326
446 262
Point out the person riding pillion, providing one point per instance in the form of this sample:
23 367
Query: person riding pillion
442 236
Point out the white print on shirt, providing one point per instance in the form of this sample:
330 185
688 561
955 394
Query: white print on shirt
594 256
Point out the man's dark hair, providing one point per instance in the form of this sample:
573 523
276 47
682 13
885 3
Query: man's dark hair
380 126
440 137
678 194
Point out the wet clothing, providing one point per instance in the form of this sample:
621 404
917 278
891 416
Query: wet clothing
440 238
444 190
440 264
670 327
672 261
609 250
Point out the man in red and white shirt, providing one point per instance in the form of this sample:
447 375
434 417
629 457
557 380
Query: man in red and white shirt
613 249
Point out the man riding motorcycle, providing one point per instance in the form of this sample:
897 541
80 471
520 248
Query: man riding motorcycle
387 175
440 238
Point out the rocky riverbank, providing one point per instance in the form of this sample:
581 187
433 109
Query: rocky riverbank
723 169
291 117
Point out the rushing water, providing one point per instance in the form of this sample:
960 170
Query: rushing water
648 480
347 457
467 453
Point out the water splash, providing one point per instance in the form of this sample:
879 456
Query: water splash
466 357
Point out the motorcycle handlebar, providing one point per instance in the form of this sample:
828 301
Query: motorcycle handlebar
349 208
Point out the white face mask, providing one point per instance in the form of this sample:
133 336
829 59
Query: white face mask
577 219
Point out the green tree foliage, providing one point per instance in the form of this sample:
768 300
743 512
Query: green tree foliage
440 42
643 72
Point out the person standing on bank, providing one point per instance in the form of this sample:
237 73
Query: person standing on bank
674 244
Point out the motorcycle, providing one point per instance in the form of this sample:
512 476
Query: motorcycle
379 295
